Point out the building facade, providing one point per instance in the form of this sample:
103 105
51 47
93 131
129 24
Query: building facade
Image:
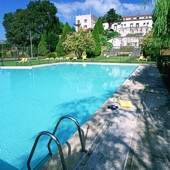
87 21
135 21
131 29
139 22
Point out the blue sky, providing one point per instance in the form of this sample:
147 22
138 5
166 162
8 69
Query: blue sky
67 9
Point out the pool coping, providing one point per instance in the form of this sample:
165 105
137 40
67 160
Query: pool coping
54 64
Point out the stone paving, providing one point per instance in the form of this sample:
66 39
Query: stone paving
151 142
134 138
137 138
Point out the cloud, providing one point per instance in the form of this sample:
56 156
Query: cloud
68 10
133 9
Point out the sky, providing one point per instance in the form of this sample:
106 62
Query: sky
68 9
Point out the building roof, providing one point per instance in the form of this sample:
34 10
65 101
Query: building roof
141 15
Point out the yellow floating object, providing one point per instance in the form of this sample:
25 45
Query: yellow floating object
125 103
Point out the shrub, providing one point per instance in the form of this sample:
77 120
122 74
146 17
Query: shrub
51 55
126 49
131 35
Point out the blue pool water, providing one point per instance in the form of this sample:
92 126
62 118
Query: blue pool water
32 100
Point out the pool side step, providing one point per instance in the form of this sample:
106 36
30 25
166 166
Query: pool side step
92 147
43 161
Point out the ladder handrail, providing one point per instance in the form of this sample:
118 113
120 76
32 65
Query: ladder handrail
52 137
79 131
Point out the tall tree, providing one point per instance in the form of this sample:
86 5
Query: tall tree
61 27
38 16
42 46
161 19
99 26
52 40
59 48
111 17
78 42
97 31
150 45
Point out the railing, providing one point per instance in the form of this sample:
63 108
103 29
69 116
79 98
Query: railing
52 137
79 131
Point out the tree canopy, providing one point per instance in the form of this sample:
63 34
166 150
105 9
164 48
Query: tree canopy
59 48
42 46
78 42
97 31
150 44
161 19
38 16
111 17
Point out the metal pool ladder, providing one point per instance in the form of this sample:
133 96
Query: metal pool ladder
53 137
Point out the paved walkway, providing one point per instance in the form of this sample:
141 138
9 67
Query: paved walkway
136 138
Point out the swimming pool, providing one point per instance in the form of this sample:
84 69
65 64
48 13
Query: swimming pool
32 100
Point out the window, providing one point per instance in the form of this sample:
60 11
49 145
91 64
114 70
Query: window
85 20
131 25
124 24
147 23
78 21
137 24
137 17
85 26
144 23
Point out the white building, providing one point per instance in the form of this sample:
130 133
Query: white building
85 21
136 21
131 29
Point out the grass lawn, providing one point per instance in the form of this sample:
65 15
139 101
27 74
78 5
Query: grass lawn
112 59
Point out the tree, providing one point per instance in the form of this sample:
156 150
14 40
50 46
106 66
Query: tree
38 16
42 46
96 37
99 26
59 48
73 29
14 25
161 20
150 44
78 42
61 27
97 30
112 17
52 40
